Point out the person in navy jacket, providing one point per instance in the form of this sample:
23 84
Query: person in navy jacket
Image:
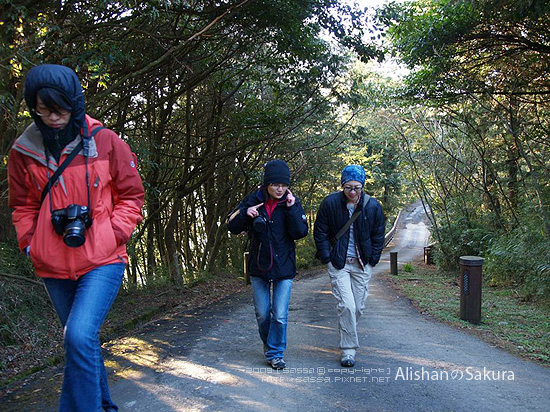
351 257
274 219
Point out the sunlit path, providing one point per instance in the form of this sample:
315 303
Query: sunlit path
212 359
407 362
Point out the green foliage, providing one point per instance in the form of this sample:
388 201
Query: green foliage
507 321
14 262
458 47
460 239
27 317
521 259
408 268
475 144
25 314
204 94
305 252
371 140
426 28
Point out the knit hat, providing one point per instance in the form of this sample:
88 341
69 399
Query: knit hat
276 171
353 172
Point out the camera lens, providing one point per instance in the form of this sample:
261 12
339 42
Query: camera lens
75 233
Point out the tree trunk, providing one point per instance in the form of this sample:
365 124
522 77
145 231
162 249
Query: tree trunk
172 246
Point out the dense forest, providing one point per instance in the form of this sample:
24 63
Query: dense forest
206 91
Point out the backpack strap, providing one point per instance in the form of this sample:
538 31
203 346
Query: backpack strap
353 217
366 201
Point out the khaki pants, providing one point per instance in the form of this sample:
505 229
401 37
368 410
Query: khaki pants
350 287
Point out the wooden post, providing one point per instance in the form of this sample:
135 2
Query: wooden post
245 269
470 288
393 263
428 255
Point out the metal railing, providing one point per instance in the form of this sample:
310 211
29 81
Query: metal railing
389 236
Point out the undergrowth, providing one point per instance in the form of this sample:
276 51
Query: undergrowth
508 320
31 336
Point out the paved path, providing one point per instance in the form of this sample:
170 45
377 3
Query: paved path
212 359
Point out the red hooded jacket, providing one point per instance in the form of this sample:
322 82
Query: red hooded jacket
116 199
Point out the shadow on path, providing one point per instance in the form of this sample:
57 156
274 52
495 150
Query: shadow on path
211 359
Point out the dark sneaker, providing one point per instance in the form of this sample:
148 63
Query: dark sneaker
277 363
347 361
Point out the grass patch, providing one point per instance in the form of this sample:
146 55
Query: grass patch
507 321
407 267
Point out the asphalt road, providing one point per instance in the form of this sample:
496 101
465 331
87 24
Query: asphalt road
212 359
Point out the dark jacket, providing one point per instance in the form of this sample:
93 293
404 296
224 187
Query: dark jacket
272 251
368 228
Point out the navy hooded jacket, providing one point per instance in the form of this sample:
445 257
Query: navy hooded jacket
272 251
368 228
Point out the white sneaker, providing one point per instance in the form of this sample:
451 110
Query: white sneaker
277 363
347 361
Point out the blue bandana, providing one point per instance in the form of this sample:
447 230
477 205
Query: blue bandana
353 172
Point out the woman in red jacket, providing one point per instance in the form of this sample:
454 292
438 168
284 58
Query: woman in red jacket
75 228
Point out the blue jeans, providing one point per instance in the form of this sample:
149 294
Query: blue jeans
82 306
272 313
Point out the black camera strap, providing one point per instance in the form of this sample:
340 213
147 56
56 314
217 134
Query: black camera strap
60 169
64 165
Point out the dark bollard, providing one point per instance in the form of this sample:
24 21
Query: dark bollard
245 269
428 255
393 263
470 288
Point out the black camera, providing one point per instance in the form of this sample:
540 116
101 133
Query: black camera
72 223
259 224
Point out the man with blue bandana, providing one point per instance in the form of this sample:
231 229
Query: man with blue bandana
350 252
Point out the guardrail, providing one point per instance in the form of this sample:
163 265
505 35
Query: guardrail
389 236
